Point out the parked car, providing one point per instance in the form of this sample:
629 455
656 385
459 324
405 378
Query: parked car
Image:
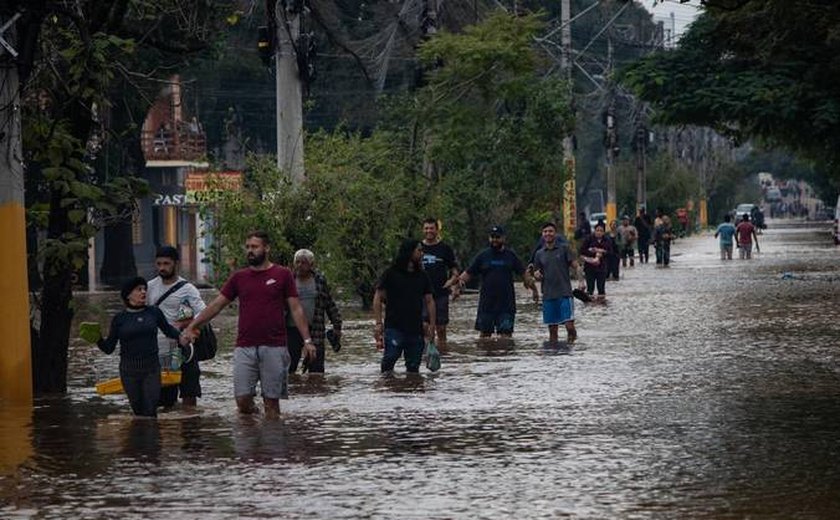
595 217
743 209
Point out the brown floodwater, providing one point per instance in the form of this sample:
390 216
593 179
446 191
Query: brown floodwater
707 390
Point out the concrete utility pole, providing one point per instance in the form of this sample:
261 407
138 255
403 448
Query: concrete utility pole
15 356
570 183
641 161
289 90
611 140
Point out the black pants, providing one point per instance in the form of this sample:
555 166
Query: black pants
143 390
593 278
295 342
643 250
190 385
613 263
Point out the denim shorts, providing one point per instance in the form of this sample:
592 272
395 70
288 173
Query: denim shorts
268 365
489 322
558 310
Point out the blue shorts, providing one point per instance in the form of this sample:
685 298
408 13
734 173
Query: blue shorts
489 322
558 310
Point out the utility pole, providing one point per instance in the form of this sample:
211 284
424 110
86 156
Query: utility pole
16 358
641 161
287 15
611 140
570 184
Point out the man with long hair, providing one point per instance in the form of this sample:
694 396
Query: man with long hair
403 289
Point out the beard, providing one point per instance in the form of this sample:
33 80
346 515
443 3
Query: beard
255 260
497 245
166 275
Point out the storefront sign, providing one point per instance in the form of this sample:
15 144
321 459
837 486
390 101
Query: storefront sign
203 187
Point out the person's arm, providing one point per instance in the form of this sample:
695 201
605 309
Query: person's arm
378 327
299 318
577 271
430 310
109 344
194 300
164 326
755 237
209 312
332 310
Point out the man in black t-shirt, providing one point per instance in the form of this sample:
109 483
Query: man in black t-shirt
403 289
497 300
441 266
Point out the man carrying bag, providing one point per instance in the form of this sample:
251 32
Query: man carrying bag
180 302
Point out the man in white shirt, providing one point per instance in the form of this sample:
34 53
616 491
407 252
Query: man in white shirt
179 308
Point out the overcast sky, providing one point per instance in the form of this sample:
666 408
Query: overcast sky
684 14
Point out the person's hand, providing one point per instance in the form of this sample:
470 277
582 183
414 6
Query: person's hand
581 285
378 336
188 335
538 275
309 350
535 294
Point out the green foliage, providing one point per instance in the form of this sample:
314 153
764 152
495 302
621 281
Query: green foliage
768 70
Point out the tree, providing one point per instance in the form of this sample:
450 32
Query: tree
79 58
764 69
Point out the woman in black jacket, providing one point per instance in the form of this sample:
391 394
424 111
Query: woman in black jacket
135 329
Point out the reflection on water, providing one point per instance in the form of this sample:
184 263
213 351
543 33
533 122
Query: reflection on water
708 390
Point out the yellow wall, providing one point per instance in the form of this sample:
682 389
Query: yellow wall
15 356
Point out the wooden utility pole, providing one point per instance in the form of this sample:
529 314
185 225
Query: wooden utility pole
15 356
289 90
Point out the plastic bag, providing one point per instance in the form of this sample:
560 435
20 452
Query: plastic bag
432 357
90 331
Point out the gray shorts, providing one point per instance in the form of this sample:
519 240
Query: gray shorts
268 365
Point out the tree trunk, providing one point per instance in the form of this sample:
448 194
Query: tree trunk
118 261
50 354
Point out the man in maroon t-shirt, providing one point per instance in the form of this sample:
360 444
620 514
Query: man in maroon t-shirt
261 352
745 232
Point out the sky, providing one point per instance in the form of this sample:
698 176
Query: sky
684 14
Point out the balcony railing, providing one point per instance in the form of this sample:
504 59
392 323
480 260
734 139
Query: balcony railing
185 143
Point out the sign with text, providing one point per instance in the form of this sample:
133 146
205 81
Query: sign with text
203 187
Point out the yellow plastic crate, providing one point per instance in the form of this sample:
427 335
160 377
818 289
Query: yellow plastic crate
114 386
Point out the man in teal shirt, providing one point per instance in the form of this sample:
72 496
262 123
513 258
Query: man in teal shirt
726 232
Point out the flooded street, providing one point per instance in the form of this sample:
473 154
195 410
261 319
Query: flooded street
707 390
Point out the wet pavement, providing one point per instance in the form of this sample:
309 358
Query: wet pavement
706 390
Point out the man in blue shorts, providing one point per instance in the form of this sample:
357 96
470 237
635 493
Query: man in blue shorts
551 267
497 300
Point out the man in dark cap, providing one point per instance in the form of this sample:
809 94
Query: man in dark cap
497 300
180 301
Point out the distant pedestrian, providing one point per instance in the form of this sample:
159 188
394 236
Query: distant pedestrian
441 265
583 229
629 235
644 227
746 234
317 301
551 267
264 290
135 329
593 253
496 266
613 255
726 232
403 289
662 237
